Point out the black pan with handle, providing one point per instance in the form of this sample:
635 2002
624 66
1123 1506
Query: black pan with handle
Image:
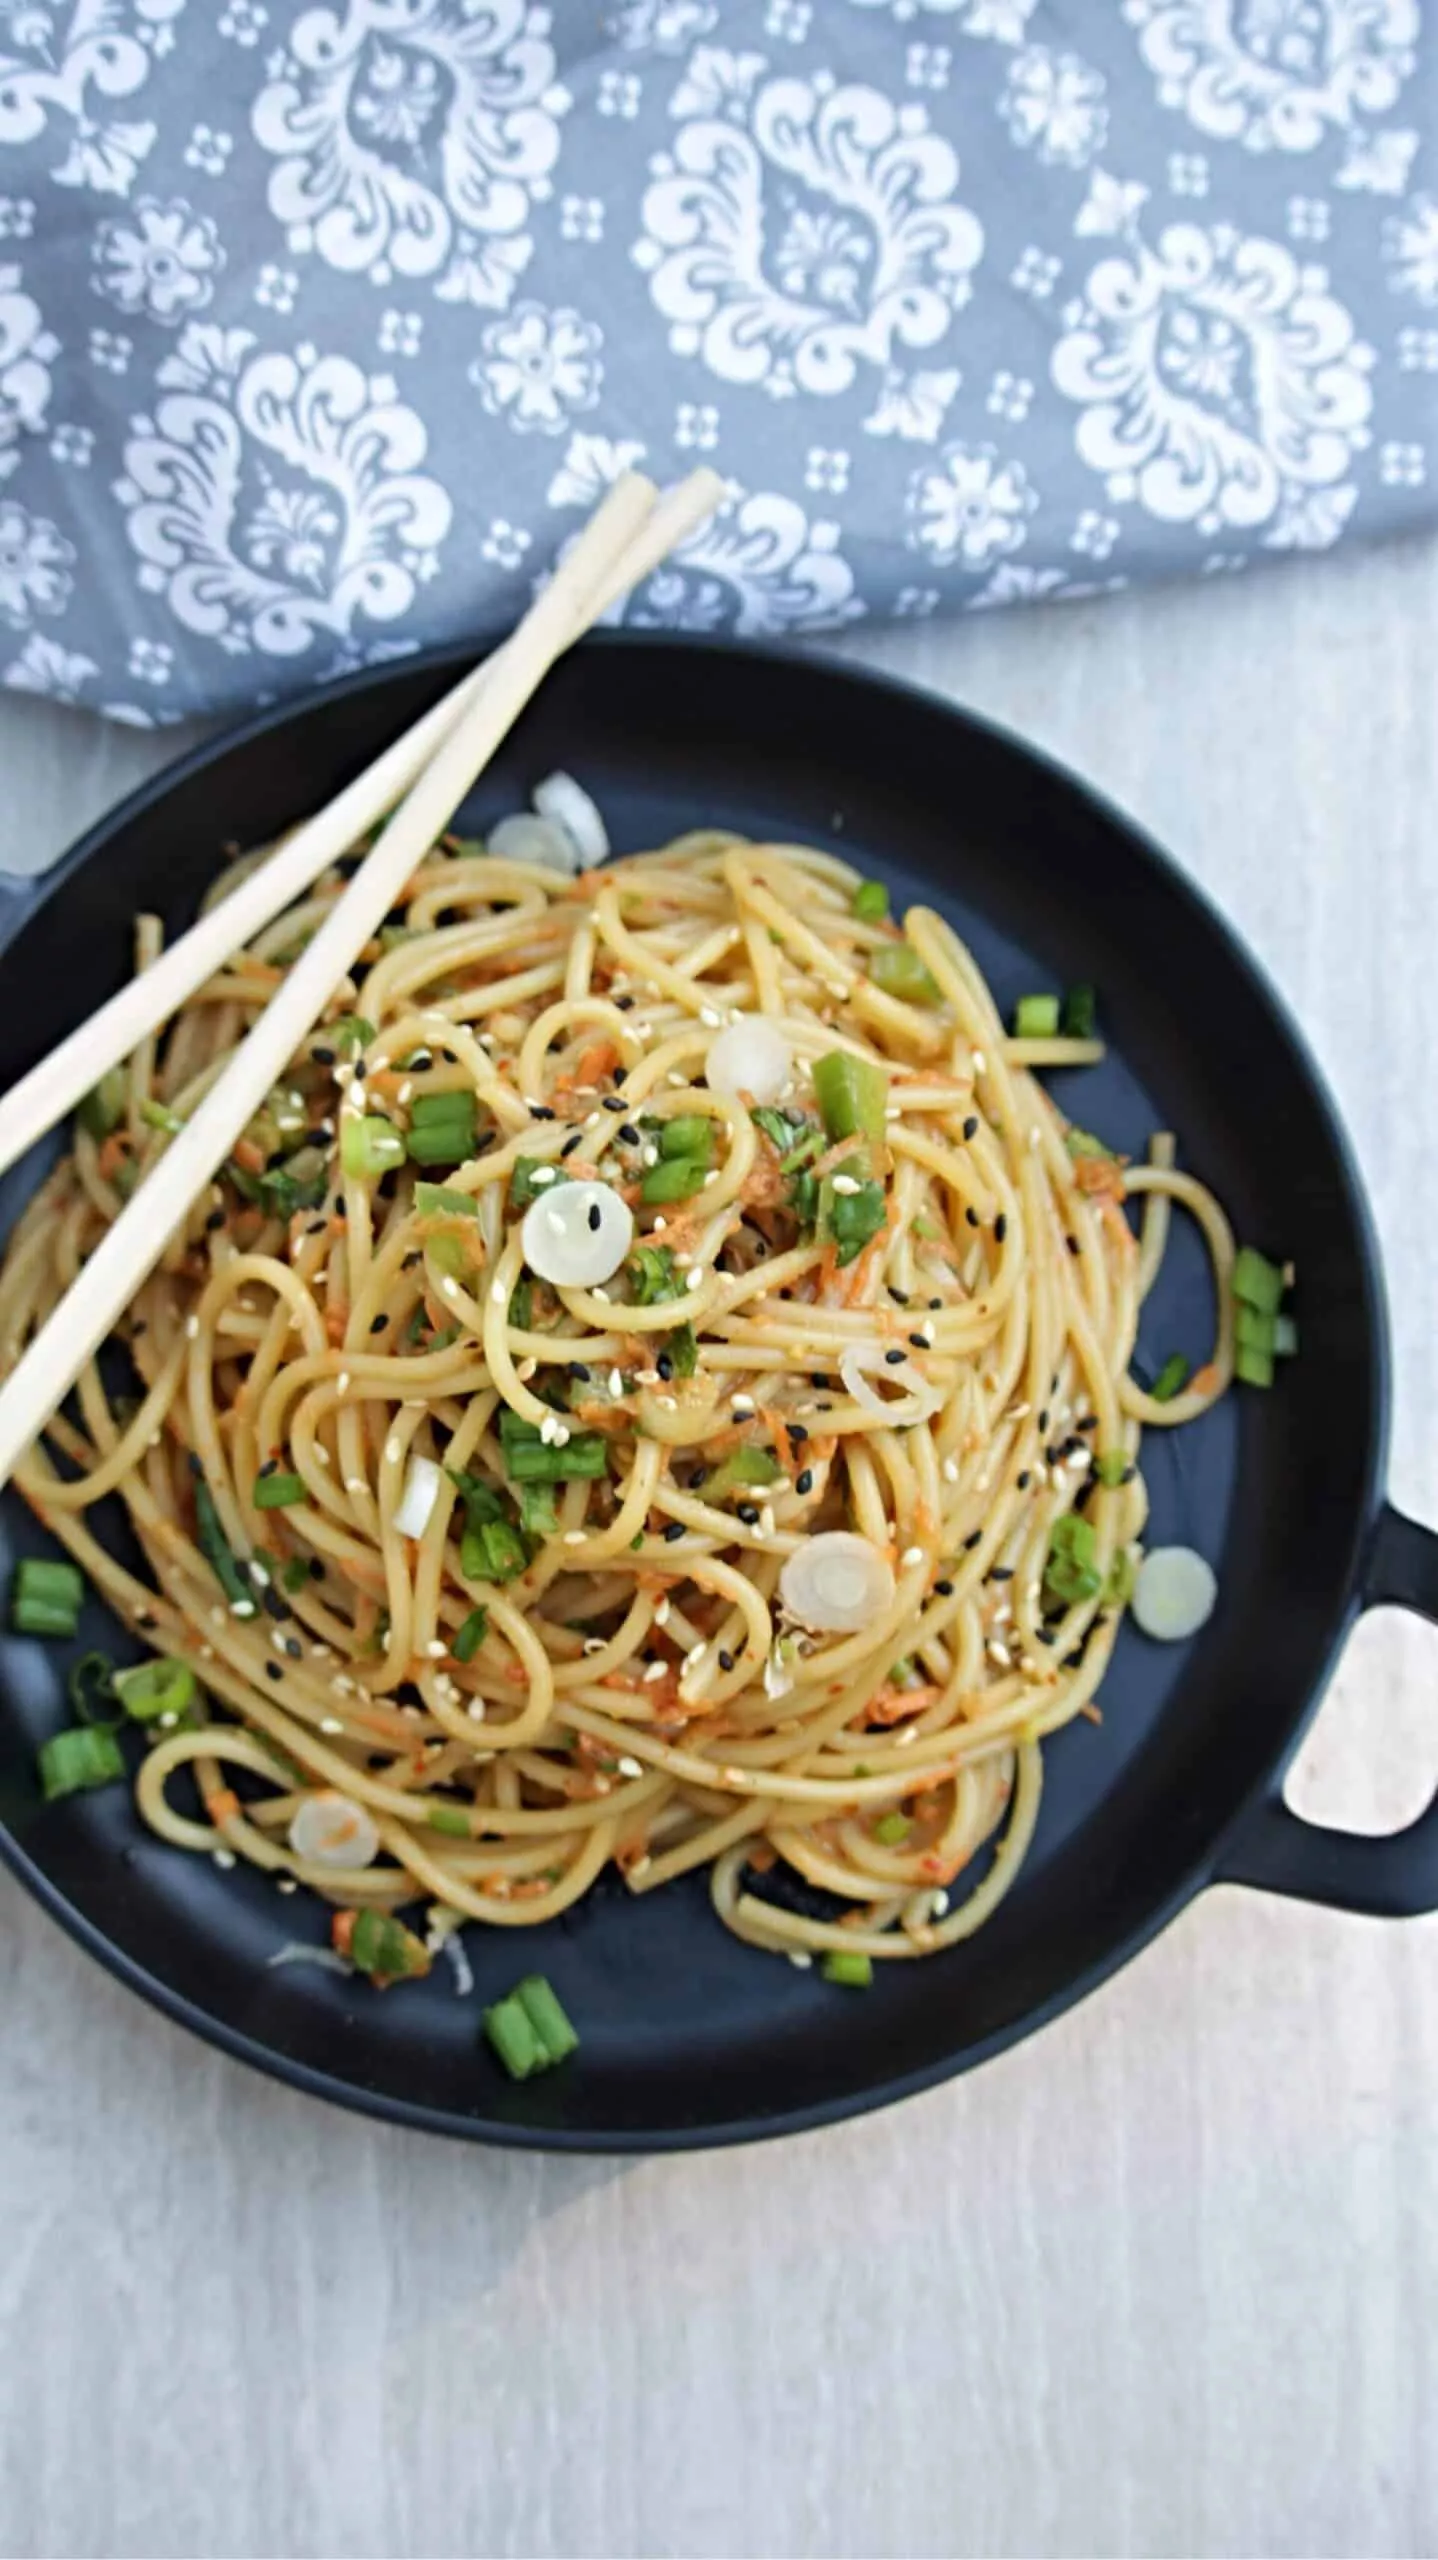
690 2037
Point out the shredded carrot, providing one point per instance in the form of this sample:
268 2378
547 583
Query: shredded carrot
1099 1178
342 1930
222 1805
248 1155
337 1316
1204 1381
890 1705
598 1060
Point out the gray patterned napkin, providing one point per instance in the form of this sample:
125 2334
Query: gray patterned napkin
321 327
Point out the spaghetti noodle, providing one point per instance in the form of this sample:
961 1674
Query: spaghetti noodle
487 1580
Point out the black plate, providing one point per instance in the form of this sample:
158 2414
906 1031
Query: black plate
689 2037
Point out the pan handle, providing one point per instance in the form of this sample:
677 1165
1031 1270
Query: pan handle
1393 1876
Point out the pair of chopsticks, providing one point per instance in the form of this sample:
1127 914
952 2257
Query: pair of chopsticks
433 767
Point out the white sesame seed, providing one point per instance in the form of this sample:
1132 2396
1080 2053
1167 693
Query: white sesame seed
648 1155
845 1184
938 1906
257 1573
800 1958
912 1555
766 1521
655 1670
546 1428
639 1867
660 1228
708 1179
950 1471
561 1435
286 1884
601 1294
616 1382
742 1403
711 1020
242 1608
406 1089
543 1173
475 1711
356 1098
499 1293
998 1653
448 1288
192 1327
342 1383
331 1724
526 1370
393 1450
223 1857
1036 1138
356 1484
574 1537
925 1332
695 1654
629 1767
980 1062
909 1734
694 1279
436 1648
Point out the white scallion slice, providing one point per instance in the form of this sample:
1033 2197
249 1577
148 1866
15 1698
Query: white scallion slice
561 800
577 1234
752 1056
524 838
323 1959
328 1830
836 1583
422 1481
1174 1594
918 1401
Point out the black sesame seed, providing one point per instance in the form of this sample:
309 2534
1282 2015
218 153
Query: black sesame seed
269 1466
1087 1422
921 1341
593 1220
323 1057
317 1571
1074 1246
378 1324
315 1228
971 1126
540 1111
973 1538
1128 1475
420 1062
411 1262
1044 1420
1001 1228
1001 1573
1023 1480
935 1304
571 1143
1053 1455
748 1513
672 1529
1046 1636
944 1589
215 1219
797 1430
274 1671
293 1647
899 1296
576 1369
804 1482
624 1004
818 1379
611 1102
275 1603
195 1467
726 1661
665 1366
629 1133
973 1217
894 1358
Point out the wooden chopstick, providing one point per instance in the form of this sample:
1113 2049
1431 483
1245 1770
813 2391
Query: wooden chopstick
52 1088
131 1247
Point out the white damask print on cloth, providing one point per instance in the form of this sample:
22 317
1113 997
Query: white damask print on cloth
800 229
322 321
273 497
414 137
1220 378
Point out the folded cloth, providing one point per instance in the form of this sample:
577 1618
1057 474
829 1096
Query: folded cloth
321 326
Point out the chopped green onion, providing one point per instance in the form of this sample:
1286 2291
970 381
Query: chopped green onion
1118 1590
1285 1337
158 1115
1254 1367
299 1184
277 1492
470 1636
1036 1018
219 1554
1257 1282
492 1552
296 1573
1111 1466
856 1972
481 1500
530 1460
870 902
743 1467
904 1669
524 1190
448 1255
1080 1013
652 1275
91 1684
537 1515
379 1945
45 1597
450 1818
103 1107
520 1311
678 1178
689 1139
439 1199
892 1829
682 1347
370 1147
1171 1377
85 1755
541 2006
350 1032
852 1095
898 971
165 1687
811 1144
1257 1332
1071 1569
1082 1142
442 1128
514 2040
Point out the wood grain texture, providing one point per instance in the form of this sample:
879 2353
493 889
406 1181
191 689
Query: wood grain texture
1159 2282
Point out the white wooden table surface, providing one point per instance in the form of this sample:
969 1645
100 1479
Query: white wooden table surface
1164 2280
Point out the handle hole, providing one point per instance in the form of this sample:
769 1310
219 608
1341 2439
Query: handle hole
1370 1761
